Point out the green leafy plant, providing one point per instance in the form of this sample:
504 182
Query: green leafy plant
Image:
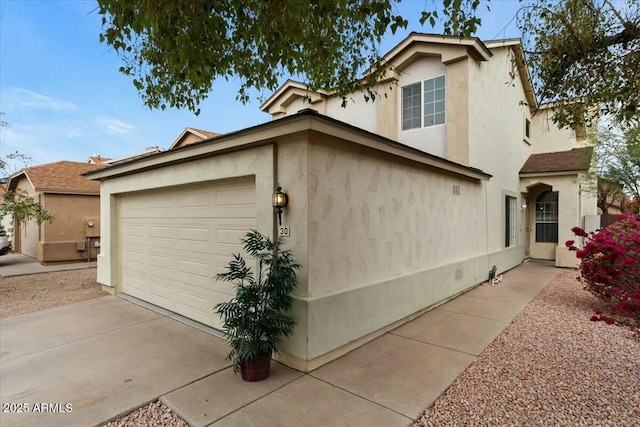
256 319
24 208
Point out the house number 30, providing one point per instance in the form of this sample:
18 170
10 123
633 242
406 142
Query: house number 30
283 231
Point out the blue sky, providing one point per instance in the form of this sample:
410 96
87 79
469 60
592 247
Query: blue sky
64 98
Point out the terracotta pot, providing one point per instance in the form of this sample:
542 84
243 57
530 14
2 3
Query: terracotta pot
256 369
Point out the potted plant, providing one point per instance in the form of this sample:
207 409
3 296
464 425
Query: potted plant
256 319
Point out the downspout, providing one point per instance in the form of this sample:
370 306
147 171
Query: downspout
486 223
580 223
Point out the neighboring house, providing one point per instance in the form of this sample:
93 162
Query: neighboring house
394 205
192 136
96 159
60 188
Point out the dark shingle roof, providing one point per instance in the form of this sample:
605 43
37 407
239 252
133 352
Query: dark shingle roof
577 159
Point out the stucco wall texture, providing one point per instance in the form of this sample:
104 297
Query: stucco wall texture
380 238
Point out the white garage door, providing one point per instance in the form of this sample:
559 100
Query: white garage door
175 240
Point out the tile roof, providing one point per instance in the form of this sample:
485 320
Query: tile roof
577 159
63 176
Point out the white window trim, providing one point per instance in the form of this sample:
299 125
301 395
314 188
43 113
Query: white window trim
401 107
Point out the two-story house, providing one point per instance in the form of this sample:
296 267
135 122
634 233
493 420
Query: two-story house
394 205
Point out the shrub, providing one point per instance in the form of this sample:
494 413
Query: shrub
610 267
257 318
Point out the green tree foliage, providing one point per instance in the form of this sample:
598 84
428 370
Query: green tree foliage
174 49
24 208
625 169
581 53
584 56
617 151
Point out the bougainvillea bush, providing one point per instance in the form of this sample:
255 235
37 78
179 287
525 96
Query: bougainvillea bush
610 268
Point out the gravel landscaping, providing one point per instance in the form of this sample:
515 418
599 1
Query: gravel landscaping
35 292
551 366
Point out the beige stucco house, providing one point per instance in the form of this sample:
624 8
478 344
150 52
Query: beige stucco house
394 205
61 189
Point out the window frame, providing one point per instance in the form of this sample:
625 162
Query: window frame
437 105
546 217
510 221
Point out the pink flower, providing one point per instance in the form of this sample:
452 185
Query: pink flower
579 232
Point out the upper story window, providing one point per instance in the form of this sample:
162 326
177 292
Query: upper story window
527 129
423 104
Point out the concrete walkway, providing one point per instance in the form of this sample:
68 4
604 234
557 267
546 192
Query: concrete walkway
106 357
19 265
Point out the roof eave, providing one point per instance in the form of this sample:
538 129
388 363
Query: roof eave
268 133
551 173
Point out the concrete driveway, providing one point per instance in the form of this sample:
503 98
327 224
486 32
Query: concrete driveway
19 264
93 361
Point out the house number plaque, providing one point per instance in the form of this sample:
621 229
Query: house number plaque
283 231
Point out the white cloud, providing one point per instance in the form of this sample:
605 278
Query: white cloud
31 99
115 126
75 133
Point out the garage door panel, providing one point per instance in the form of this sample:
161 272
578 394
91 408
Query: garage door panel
133 255
195 297
230 236
136 287
195 203
200 269
162 296
176 240
132 232
235 197
196 233
160 232
161 263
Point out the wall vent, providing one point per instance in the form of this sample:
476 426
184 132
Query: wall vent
456 190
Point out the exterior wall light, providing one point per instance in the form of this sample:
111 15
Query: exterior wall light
280 200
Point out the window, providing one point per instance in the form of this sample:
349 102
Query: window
527 129
411 107
547 217
510 204
423 104
434 101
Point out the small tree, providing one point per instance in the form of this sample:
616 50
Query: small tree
24 208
